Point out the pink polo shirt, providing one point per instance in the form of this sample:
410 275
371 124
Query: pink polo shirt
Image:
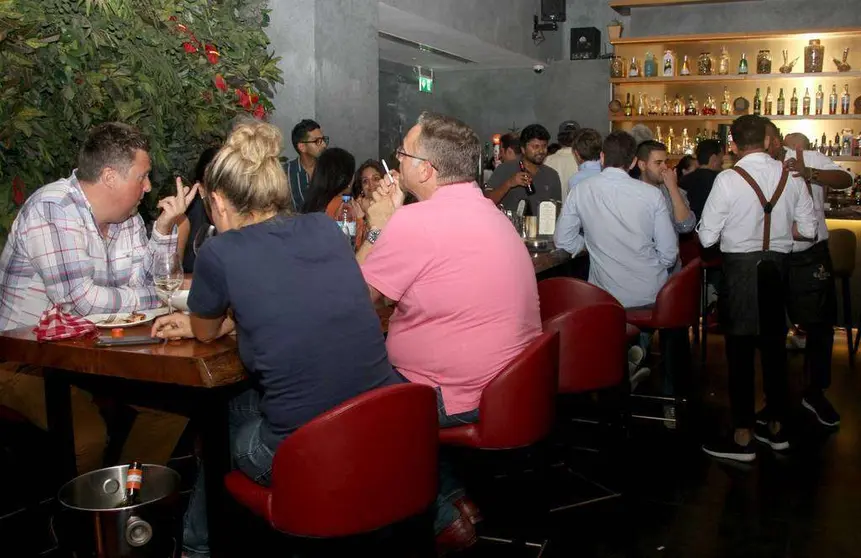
467 301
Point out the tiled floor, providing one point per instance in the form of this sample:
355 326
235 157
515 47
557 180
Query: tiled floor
675 502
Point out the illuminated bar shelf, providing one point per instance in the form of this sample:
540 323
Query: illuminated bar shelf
853 74
722 118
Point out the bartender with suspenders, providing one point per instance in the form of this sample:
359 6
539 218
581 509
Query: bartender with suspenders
756 209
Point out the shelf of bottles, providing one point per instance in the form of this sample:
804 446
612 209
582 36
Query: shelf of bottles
696 85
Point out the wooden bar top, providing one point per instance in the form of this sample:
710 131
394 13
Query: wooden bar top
187 362
542 261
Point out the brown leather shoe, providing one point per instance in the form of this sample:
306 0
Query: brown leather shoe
469 510
460 535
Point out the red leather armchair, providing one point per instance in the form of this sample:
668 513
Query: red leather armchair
368 463
560 294
517 408
677 304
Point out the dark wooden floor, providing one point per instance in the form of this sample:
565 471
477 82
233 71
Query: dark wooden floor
675 501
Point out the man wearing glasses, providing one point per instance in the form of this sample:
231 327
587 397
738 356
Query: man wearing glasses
309 142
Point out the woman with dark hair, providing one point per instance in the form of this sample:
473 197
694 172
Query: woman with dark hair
367 180
334 177
195 216
685 166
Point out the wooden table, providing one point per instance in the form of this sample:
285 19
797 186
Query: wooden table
200 376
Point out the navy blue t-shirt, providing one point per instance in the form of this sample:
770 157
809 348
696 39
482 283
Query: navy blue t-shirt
306 327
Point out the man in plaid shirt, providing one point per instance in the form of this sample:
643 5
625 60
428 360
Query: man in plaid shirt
79 243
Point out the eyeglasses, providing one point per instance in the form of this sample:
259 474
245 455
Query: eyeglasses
318 141
400 154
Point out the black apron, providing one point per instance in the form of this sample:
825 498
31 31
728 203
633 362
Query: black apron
752 297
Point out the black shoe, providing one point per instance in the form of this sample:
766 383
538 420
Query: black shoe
763 416
777 442
821 409
728 449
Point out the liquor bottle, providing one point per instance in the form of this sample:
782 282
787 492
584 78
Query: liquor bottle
781 103
697 138
665 107
769 101
134 480
820 97
629 110
659 137
634 69
671 141
641 104
691 108
650 67
830 151
805 102
757 103
686 142
725 104
823 147
832 100
678 106
723 64
686 69
742 65
530 187
669 64
844 100
793 103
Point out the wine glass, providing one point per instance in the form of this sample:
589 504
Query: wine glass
203 234
167 275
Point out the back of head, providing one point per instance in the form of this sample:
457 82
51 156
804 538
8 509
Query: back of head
646 148
533 131
247 172
796 140
301 131
205 158
684 164
452 147
642 133
706 149
567 131
111 144
748 132
587 144
619 149
510 141
335 169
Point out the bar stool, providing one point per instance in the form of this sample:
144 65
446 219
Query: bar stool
712 262
676 307
368 463
560 294
842 245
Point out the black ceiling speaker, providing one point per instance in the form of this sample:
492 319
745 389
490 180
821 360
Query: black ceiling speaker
553 10
585 43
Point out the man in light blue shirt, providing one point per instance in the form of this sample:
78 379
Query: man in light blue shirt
587 152
624 223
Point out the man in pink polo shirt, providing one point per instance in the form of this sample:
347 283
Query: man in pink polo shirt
464 284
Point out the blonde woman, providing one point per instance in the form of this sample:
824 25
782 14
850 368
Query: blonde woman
307 331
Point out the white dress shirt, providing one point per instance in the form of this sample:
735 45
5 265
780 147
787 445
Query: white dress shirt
816 160
626 227
565 165
734 215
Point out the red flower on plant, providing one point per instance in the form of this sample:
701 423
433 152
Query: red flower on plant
244 99
212 54
189 48
18 195
259 112
254 99
220 84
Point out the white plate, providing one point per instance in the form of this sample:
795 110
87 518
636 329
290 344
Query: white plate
110 321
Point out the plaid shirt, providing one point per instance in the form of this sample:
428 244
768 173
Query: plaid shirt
55 254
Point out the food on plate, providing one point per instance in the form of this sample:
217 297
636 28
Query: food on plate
132 318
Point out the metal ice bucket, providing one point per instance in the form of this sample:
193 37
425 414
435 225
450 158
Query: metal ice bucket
95 524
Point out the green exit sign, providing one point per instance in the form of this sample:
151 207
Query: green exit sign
425 84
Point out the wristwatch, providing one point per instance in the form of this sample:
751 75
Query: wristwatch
373 235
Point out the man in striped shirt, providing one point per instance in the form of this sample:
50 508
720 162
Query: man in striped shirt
79 243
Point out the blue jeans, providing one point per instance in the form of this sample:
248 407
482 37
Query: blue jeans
250 455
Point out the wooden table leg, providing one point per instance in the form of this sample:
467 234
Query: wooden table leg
212 421
58 406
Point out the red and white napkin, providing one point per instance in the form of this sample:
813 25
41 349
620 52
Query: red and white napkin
54 325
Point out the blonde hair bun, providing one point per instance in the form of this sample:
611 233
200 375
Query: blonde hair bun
256 142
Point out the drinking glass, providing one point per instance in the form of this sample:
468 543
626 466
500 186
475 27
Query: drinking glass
203 234
167 275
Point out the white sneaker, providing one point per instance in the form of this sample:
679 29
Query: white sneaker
638 376
636 354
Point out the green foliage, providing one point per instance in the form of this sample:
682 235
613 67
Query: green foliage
66 65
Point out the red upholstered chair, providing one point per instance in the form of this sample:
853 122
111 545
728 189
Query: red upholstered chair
368 463
560 294
517 407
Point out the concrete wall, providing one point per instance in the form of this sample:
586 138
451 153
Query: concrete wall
330 62
400 104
